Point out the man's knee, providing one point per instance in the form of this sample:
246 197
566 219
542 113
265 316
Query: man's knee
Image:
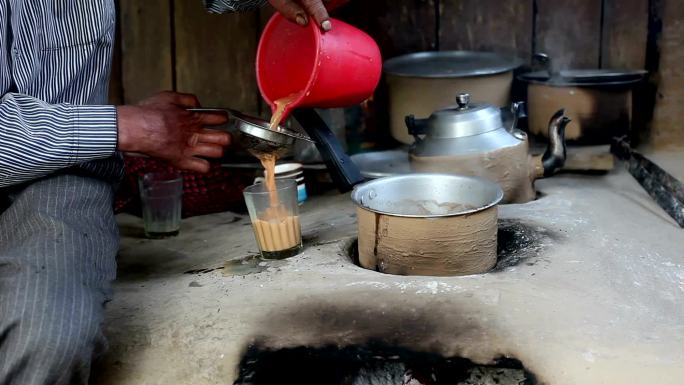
56 266
71 329
50 337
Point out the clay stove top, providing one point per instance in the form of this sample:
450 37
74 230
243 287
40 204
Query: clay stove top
594 297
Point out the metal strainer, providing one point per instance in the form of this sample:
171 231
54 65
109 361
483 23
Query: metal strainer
256 137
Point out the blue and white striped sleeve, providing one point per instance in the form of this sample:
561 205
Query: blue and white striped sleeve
37 138
221 6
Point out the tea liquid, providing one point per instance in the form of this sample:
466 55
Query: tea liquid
269 160
276 229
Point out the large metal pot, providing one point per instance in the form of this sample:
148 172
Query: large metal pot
599 101
423 82
428 224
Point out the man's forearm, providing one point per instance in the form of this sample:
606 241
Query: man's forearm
37 138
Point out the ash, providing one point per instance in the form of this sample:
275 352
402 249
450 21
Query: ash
397 374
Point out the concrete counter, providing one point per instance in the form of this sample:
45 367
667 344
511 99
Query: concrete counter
595 298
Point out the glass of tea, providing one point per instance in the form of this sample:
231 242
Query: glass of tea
275 218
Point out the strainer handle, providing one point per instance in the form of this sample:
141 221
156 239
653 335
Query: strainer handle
343 170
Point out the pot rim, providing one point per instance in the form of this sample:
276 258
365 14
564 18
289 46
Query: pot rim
356 195
506 64
557 83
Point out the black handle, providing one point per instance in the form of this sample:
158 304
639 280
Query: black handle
544 61
416 126
344 172
666 190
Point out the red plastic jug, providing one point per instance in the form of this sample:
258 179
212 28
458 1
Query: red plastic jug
328 70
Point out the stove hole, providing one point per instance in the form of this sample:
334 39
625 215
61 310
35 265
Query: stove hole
373 364
518 243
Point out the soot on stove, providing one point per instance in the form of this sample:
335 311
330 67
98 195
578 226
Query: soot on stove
372 364
404 349
520 242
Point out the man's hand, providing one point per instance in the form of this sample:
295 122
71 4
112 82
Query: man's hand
161 127
298 11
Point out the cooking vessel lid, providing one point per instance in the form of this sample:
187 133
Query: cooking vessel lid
590 77
464 119
451 64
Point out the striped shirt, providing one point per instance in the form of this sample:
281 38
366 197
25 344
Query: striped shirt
55 61
220 6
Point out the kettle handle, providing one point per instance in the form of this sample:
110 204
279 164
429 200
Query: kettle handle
519 110
416 127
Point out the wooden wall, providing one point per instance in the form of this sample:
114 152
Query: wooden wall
667 129
576 33
175 44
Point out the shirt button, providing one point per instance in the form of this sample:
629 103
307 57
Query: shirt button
15 51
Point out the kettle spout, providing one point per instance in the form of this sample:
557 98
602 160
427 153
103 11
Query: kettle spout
555 155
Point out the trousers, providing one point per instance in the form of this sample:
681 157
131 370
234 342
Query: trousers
58 246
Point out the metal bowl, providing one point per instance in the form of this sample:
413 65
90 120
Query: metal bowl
453 195
381 164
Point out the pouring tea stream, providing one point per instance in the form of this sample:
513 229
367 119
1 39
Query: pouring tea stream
301 68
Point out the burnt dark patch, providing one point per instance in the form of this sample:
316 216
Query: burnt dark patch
520 242
402 325
369 338
375 363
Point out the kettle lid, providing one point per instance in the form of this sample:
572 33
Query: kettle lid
464 119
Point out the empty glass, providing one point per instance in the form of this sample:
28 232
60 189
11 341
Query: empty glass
275 219
161 195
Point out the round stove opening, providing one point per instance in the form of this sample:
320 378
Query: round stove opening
518 243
